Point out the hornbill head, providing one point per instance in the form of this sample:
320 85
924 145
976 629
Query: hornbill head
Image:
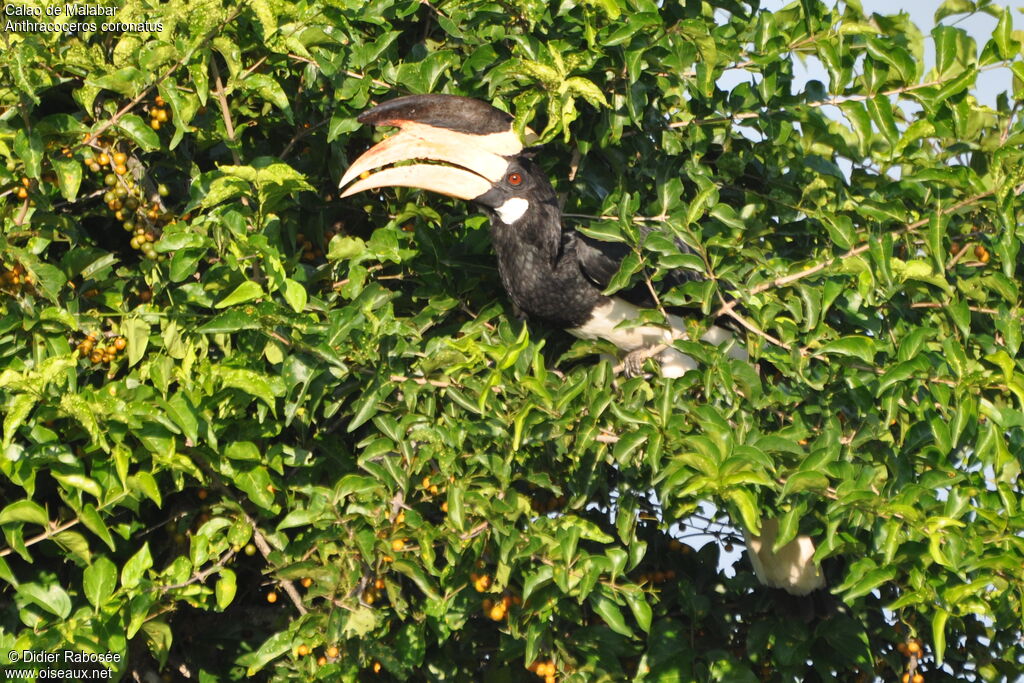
485 158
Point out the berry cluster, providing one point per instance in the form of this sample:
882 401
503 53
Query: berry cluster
26 185
544 669
15 280
98 353
158 115
144 220
371 592
912 650
497 610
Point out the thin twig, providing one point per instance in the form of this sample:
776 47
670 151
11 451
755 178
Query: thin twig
201 576
260 541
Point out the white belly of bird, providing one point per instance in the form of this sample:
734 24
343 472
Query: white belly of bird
604 324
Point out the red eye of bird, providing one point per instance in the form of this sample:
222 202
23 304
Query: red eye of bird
515 178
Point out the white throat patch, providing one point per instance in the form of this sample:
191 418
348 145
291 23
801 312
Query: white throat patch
512 210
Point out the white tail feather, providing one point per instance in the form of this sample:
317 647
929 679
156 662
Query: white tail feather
791 567
604 324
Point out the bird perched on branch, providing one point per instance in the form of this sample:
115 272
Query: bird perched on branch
550 271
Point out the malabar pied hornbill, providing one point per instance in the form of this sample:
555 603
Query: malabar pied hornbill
549 271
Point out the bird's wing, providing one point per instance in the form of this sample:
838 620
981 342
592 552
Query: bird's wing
599 261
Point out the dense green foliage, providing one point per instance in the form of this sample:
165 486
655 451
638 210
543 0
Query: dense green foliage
308 437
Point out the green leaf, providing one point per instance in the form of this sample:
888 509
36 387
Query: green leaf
939 619
94 522
415 572
950 7
247 291
1003 36
345 248
641 609
270 90
803 481
69 177
255 482
225 588
747 506
856 346
230 321
881 113
19 408
127 81
243 450
99 581
136 566
295 295
24 511
51 598
253 383
29 148
75 480
867 583
141 133
612 615
136 332
272 648
628 443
